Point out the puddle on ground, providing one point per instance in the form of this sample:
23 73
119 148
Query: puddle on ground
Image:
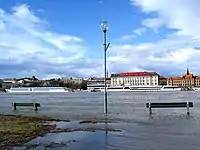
76 125
72 140
62 124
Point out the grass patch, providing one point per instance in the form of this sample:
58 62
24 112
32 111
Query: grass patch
91 129
16 130
94 121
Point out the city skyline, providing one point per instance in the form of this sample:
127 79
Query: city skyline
63 38
124 74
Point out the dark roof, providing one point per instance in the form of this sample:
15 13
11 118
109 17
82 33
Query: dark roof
162 77
99 79
115 75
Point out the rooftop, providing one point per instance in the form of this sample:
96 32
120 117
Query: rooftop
188 75
162 77
131 74
98 78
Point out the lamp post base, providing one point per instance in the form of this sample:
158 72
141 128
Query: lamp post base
105 102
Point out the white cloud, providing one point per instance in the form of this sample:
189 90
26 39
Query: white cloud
52 76
139 31
180 14
136 33
126 37
171 55
153 23
28 47
23 12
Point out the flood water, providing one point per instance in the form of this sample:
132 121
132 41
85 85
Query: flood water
166 129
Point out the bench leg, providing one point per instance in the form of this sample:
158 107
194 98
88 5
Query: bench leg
15 107
188 108
150 111
36 109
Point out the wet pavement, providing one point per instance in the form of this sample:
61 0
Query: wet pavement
166 129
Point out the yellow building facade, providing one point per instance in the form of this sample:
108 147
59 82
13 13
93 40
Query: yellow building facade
186 81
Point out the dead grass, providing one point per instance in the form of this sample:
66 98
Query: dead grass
94 121
16 130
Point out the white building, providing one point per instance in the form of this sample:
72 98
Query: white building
93 83
75 80
135 79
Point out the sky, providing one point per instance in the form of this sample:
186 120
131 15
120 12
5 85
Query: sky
63 38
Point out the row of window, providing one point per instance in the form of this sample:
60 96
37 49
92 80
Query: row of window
136 78
114 83
182 84
184 81
135 83
179 82
126 82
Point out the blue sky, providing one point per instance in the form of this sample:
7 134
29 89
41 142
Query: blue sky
63 38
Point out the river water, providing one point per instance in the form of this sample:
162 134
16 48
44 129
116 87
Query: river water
166 129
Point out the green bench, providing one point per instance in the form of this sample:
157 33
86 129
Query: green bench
169 105
35 105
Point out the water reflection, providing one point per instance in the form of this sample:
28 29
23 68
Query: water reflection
165 129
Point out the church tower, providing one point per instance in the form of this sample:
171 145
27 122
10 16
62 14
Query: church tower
188 71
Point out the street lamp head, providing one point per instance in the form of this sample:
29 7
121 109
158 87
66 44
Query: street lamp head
104 26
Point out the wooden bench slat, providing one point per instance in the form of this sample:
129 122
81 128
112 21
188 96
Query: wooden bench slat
36 105
24 104
169 105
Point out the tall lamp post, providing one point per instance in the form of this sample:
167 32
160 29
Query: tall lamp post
104 27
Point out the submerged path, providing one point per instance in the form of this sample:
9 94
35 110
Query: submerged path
18 130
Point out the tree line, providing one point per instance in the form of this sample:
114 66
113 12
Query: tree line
48 83
59 83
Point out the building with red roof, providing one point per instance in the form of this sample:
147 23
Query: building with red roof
135 79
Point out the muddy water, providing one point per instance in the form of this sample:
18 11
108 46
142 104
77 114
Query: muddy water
167 129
